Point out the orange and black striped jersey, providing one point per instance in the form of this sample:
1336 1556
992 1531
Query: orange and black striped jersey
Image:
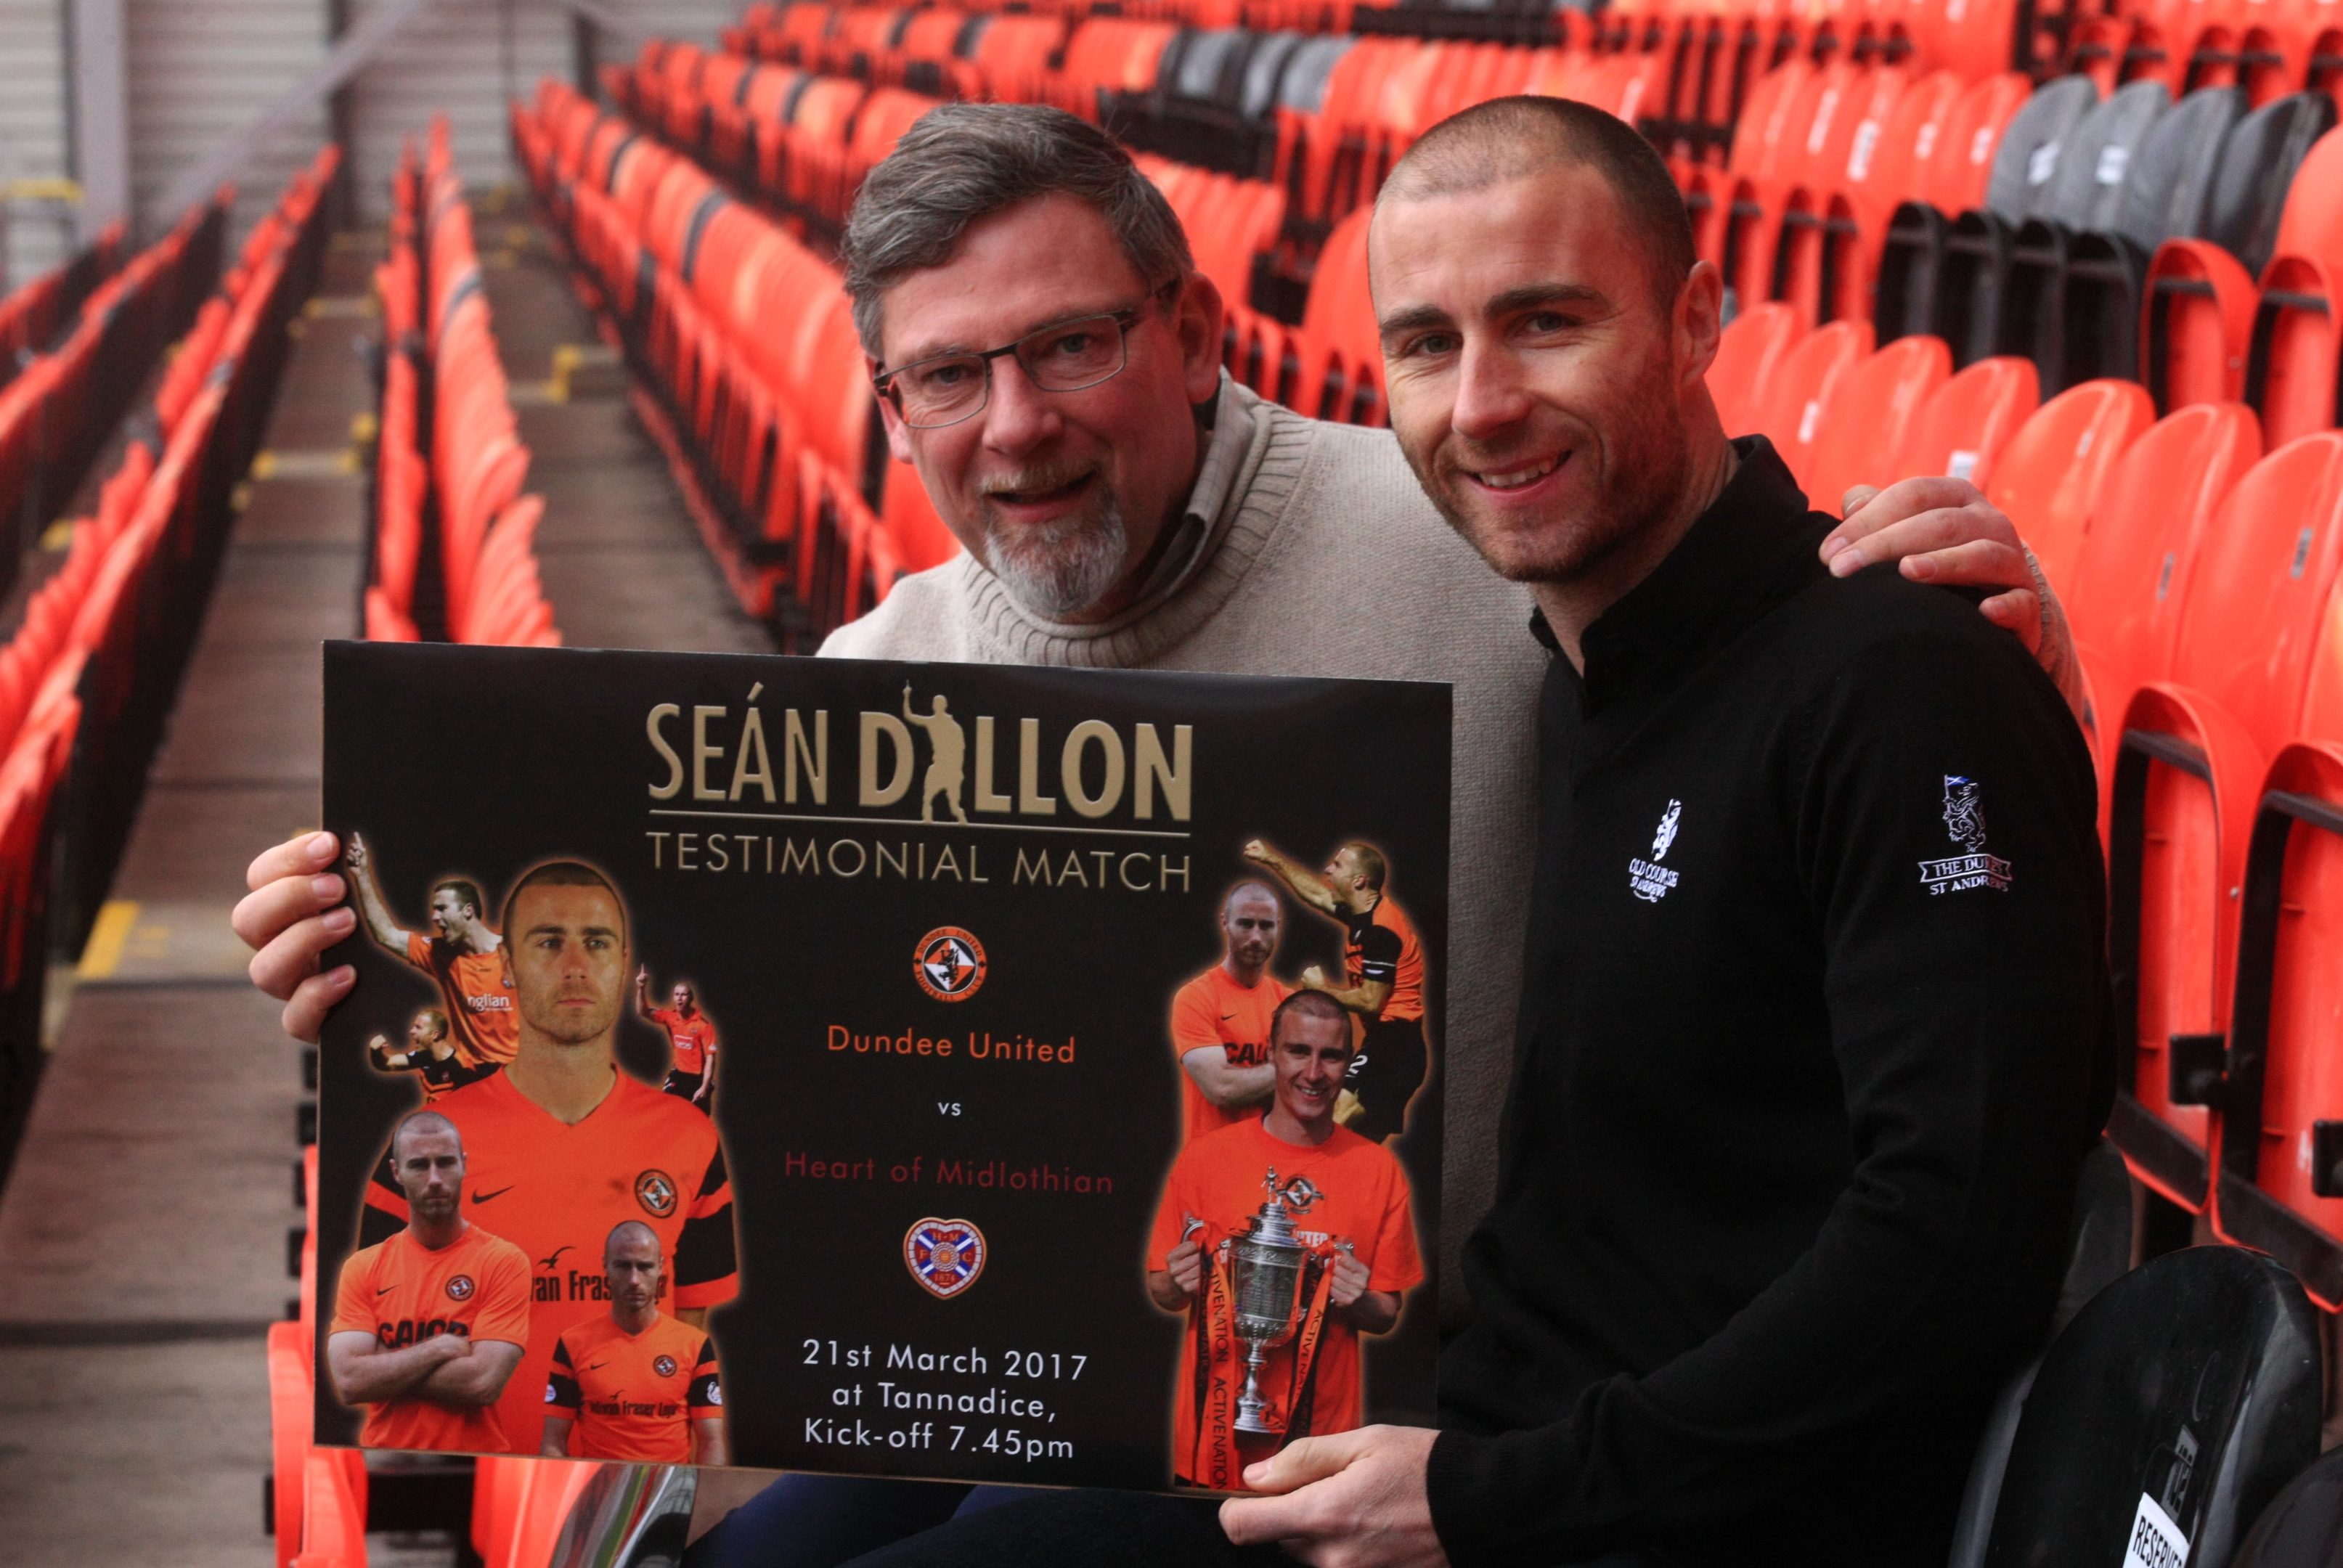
557 1190
400 1292
1214 1009
689 1039
479 1004
634 1396
1382 946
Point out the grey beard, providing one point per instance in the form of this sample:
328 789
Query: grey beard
1060 568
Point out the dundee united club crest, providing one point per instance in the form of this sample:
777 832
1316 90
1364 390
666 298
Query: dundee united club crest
950 964
664 1366
459 1289
1965 823
945 1256
655 1191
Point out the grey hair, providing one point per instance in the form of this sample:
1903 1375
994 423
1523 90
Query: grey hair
960 163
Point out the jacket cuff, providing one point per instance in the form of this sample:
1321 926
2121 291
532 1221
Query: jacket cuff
1456 1482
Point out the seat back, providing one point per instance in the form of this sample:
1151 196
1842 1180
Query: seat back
1869 415
2257 166
2181 1400
2031 149
2304 1524
2312 222
2169 186
2255 600
1789 409
2139 552
1965 423
1960 171
2054 468
2086 190
1748 354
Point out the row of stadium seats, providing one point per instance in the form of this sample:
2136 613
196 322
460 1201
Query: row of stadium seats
58 411
458 469
774 434
88 681
32 313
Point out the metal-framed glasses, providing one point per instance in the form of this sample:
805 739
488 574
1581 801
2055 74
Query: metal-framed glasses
1064 357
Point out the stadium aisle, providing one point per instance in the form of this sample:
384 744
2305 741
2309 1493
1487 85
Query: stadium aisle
144 1232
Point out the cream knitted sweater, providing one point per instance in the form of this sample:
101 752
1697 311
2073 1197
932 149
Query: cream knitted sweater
1323 558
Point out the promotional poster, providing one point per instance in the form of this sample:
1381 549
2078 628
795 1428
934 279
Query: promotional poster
939 1070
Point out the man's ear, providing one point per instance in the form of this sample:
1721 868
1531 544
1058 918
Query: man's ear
1200 316
899 435
1699 321
504 962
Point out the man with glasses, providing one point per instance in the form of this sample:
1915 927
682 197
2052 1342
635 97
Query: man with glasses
1165 518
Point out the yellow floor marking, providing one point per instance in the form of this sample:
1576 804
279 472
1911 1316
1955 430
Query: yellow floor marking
103 955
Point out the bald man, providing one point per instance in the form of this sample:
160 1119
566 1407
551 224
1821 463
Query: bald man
1220 1019
429 1323
633 1383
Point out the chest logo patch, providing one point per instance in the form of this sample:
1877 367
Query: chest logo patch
664 1366
945 1256
1964 824
655 1191
1648 879
459 1289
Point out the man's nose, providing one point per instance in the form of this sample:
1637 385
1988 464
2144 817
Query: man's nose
1018 415
1490 394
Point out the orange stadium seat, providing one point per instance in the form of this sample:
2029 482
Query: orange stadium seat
1748 356
1790 407
2198 309
2048 478
1870 413
1961 429
2188 766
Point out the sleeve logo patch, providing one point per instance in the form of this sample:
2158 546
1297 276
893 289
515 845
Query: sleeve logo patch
1965 825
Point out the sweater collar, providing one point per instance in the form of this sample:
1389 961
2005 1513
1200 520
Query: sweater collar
1724 573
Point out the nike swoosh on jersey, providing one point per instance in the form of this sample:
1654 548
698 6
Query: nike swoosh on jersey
386 1290
596 1367
484 1197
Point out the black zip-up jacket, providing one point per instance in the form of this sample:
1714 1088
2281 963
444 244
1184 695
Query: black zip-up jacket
1813 1035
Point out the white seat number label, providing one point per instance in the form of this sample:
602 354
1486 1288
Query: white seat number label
2156 1541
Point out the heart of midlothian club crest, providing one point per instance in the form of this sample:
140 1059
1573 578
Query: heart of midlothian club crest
944 1255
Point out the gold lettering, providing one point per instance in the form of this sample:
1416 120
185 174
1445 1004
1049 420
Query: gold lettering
1030 799
799 859
752 742
1070 768
1036 869
988 799
1173 773
664 711
875 725
702 753
817 760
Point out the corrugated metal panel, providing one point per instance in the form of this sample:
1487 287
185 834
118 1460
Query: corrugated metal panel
199 72
32 125
461 58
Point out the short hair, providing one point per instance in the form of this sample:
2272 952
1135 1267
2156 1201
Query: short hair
437 1020
562 874
423 1121
1251 885
466 891
612 1239
1316 1004
1372 865
1506 138
960 163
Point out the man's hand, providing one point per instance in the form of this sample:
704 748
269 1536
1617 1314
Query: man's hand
1185 1264
293 913
1313 979
1256 850
1350 1281
1944 531
358 853
643 978
1354 1499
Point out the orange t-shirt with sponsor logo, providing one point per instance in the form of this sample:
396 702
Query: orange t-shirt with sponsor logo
634 1396
402 1293
689 1039
1214 1009
557 1190
1363 1199
1382 947
478 1003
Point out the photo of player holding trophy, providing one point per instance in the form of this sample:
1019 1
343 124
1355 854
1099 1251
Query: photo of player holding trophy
1283 1239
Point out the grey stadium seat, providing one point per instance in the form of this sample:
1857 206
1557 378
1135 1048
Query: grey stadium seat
2258 164
2032 146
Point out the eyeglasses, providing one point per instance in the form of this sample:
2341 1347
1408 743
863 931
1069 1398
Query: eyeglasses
1065 357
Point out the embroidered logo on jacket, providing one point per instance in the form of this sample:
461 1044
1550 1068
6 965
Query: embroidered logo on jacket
1648 879
1964 824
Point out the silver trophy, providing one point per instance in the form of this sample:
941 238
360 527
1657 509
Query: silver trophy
1265 1268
